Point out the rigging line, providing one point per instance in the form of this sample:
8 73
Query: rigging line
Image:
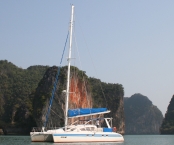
76 74
56 114
55 84
81 66
74 70
93 66
76 46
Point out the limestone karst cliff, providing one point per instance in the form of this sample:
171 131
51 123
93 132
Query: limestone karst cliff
84 94
167 126
79 96
25 95
141 116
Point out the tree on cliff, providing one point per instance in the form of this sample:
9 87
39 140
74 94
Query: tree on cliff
167 126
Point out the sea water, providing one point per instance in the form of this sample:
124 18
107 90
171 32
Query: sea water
128 140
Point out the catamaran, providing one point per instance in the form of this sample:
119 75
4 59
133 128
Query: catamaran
86 132
81 130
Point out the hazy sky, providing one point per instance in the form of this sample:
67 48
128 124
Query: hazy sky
129 42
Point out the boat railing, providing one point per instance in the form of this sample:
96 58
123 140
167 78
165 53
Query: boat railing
44 129
76 122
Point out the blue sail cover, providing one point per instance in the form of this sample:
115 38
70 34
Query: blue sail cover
85 111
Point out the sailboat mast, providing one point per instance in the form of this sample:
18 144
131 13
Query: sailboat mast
69 64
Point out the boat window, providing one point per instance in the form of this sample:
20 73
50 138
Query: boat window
88 128
73 129
92 128
82 129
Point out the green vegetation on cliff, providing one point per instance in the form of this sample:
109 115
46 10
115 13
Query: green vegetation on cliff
16 85
167 126
141 116
105 93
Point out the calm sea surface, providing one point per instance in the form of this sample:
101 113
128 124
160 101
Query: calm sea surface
129 140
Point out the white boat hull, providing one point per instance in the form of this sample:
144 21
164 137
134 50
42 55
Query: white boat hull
87 137
41 137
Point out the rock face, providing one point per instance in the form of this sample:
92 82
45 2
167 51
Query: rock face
79 97
167 126
84 94
141 116
118 117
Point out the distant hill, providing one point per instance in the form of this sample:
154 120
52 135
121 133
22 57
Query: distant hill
141 116
167 126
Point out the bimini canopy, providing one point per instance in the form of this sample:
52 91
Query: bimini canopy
86 112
